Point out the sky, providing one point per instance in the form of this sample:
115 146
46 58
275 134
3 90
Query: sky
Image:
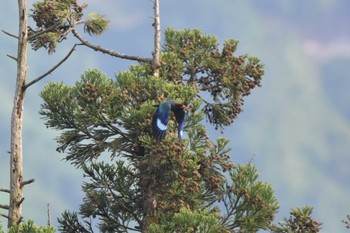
295 128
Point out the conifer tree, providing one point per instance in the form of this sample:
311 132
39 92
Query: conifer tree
157 186
146 185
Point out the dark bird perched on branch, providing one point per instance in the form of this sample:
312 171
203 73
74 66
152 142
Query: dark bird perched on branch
161 118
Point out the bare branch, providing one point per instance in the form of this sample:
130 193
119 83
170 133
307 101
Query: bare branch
109 52
6 207
48 215
5 216
44 31
10 34
50 70
10 56
20 201
156 53
19 220
27 182
5 190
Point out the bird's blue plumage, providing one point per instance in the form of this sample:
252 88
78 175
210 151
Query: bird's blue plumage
161 118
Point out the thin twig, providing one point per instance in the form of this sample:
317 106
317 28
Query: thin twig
5 216
9 34
109 52
5 190
44 31
156 52
27 182
20 201
10 56
50 70
6 207
48 215
19 220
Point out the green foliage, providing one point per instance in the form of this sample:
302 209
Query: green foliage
250 204
70 223
196 59
187 221
29 227
95 24
167 185
55 19
300 221
99 115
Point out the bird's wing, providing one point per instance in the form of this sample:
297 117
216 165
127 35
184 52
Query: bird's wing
180 117
159 125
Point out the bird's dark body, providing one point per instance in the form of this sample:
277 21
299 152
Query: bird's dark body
161 118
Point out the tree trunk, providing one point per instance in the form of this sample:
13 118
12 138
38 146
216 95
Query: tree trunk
16 172
156 63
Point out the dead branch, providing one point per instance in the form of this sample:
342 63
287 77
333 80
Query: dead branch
10 34
50 70
6 207
44 31
108 51
48 215
27 182
5 216
5 190
19 220
20 201
12 57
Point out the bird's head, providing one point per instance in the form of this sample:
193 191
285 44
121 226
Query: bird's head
175 106
172 105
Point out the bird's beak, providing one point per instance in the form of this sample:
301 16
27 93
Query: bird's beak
183 107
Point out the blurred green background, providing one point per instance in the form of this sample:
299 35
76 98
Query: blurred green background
296 128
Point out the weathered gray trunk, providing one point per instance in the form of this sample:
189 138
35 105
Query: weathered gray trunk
16 172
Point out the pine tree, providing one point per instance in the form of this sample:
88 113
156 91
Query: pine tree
163 186
133 182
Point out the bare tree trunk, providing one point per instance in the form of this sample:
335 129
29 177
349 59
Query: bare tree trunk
16 172
156 63
148 183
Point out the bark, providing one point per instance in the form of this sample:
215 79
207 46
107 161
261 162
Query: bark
148 182
156 63
16 160
149 202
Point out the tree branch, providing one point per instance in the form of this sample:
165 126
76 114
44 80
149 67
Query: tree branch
48 215
5 216
9 34
109 52
19 220
30 37
27 182
10 56
20 201
6 207
156 53
50 70
5 190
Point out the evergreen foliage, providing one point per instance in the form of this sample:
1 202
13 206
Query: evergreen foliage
165 186
54 20
28 227
300 221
